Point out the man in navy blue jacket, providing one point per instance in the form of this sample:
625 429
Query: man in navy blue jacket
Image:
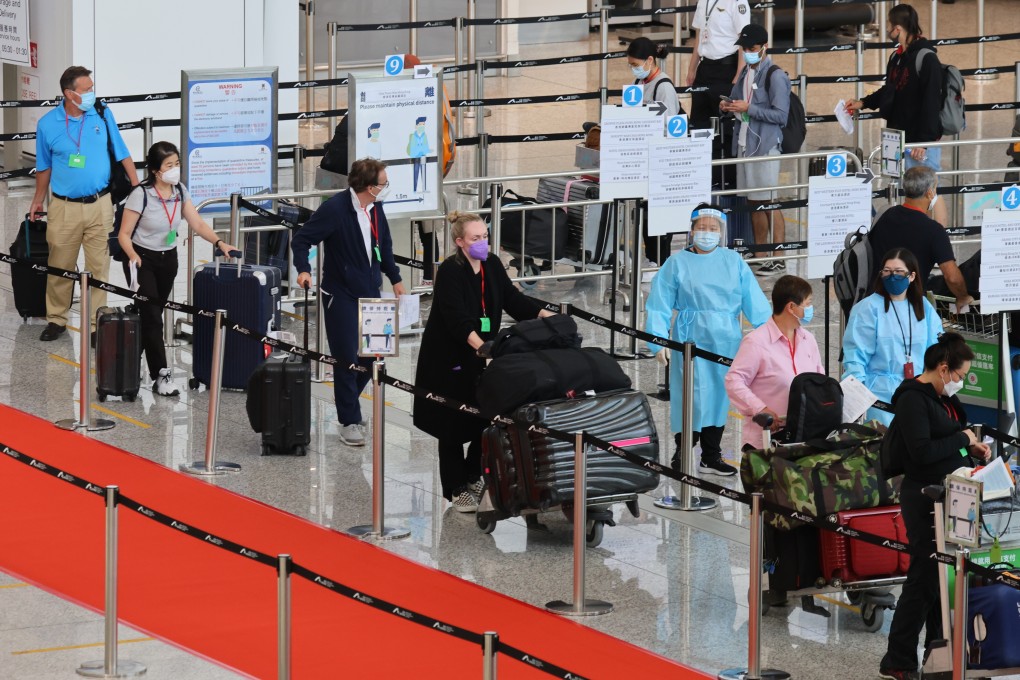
358 251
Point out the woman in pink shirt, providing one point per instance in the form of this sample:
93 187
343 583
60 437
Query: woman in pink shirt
771 355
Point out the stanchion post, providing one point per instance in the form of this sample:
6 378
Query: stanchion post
482 153
754 593
490 649
283 617
472 54
377 529
798 28
235 218
299 168
960 615
169 339
85 420
496 216
146 134
981 45
933 34
883 33
859 86
111 666
687 500
636 273
309 55
412 16
580 606
331 50
678 38
320 320
458 78
604 48
209 465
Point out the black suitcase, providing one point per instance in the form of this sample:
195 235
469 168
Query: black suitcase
269 248
279 402
738 222
590 228
792 558
526 469
816 168
118 354
533 228
515 379
251 296
29 284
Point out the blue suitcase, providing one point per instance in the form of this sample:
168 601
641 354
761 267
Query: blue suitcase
250 294
991 633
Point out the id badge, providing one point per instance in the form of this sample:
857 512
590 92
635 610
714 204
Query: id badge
486 324
378 255
908 370
171 237
76 160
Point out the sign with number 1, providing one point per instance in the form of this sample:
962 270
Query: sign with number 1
633 95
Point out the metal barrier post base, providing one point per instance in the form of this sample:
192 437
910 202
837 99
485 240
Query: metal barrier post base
589 608
741 674
125 669
698 503
219 468
94 425
387 534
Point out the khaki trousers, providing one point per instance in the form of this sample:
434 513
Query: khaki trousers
73 226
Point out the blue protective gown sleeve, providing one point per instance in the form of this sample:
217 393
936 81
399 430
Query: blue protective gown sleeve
859 340
660 305
933 323
755 305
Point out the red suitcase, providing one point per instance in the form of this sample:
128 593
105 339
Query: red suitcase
846 560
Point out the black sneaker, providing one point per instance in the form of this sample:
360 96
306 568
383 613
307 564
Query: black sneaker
717 467
52 332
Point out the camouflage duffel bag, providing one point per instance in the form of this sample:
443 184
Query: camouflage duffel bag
819 477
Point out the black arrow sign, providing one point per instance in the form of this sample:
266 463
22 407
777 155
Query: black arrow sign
658 107
867 175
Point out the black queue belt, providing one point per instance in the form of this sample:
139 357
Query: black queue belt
396 26
555 61
548 19
537 99
761 247
305 115
266 214
326 82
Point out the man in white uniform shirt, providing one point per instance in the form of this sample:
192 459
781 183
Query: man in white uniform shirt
716 59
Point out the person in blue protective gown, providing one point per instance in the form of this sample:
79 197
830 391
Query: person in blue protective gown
889 331
708 286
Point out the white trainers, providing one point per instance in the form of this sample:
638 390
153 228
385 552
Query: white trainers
164 384
352 435
465 501
478 488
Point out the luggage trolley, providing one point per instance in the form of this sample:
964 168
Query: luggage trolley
988 337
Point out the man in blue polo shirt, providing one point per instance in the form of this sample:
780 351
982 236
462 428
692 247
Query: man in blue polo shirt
72 160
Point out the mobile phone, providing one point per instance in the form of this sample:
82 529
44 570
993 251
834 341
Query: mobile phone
725 98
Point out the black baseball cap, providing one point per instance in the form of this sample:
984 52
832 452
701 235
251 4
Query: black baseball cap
753 34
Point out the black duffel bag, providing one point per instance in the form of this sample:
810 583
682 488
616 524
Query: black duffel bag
517 379
551 332
534 226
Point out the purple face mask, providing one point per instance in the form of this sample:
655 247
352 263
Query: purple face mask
479 249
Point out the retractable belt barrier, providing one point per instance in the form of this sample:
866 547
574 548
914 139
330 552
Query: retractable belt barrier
297 569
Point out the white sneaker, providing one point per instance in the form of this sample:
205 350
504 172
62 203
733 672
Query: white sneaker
478 488
164 384
465 502
352 435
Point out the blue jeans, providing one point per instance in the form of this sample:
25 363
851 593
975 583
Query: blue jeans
933 160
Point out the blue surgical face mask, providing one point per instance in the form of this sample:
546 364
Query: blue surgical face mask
809 313
752 58
896 284
706 240
88 101
640 71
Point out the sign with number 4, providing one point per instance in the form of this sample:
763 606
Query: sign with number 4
1011 198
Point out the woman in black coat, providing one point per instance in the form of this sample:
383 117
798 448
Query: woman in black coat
929 436
471 292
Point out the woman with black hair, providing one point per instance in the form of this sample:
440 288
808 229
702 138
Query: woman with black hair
148 236
643 57
929 438
911 98
889 331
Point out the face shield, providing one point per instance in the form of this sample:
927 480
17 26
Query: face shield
708 219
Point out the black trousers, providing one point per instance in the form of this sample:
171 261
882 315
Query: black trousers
455 470
657 248
155 281
711 443
717 75
919 603
429 248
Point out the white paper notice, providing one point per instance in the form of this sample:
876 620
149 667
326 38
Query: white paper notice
857 399
846 121
408 309
996 480
1000 261
836 206
679 178
623 158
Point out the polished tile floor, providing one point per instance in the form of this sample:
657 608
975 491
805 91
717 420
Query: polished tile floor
678 581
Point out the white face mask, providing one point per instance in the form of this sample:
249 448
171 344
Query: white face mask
172 176
381 196
934 200
952 387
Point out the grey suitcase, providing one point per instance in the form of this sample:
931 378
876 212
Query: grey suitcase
589 226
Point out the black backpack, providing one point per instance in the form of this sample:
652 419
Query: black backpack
551 332
851 270
815 408
335 158
795 130
889 457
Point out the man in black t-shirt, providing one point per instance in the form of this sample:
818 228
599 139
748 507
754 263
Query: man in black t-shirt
909 226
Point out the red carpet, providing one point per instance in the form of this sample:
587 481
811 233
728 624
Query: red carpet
223 607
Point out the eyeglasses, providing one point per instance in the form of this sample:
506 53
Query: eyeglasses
383 186
897 272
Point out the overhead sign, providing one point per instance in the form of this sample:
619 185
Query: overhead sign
228 130
15 47
399 120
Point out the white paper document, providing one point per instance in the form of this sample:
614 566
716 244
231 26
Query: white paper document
623 158
836 206
679 178
408 309
846 121
857 399
996 480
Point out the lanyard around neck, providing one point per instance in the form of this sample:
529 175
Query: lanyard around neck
903 334
67 130
481 271
169 216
